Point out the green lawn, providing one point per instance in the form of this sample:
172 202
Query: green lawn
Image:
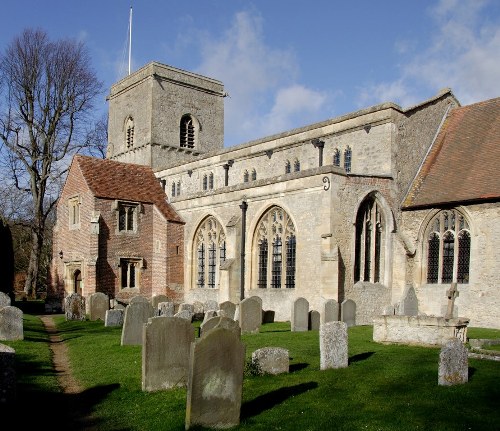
385 387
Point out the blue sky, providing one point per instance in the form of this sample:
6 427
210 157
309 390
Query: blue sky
287 63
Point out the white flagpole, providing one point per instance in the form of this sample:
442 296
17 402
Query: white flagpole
130 40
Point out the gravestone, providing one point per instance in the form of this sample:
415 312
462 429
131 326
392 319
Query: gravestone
220 322
453 363
333 345
268 316
136 315
74 307
300 315
97 305
138 298
210 305
4 299
452 294
165 353
114 317
272 360
11 323
209 314
348 312
188 307
7 375
250 315
215 383
198 310
227 309
331 311
166 309
408 305
184 314
156 300
314 320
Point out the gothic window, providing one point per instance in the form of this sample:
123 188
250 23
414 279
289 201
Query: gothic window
254 174
173 189
178 188
129 132
187 132
336 157
288 167
296 165
129 273
211 181
448 248
205 182
347 159
245 176
127 217
368 259
209 252
275 244
74 212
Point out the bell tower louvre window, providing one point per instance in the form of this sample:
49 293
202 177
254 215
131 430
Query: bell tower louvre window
187 132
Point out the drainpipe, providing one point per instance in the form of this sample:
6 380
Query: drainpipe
319 145
243 207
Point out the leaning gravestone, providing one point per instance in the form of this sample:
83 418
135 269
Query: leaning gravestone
11 323
300 315
453 363
136 315
331 311
227 309
4 299
7 375
114 317
272 360
98 304
165 353
409 302
74 307
333 345
220 322
348 312
250 315
215 381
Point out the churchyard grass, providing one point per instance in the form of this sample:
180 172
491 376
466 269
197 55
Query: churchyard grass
385 387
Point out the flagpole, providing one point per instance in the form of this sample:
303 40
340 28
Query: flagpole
130 40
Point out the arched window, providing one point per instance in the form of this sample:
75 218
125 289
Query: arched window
205 182
129 132
173 189
275 243
288 167
245 176
254 174
211 181
347 159
336 157
296 165
448 248
209 252
187 132
77 282
370 228
178 188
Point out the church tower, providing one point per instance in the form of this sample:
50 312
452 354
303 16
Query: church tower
160 116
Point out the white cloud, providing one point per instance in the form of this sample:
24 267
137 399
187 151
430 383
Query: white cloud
463 55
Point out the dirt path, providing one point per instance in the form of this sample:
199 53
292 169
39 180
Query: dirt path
60 358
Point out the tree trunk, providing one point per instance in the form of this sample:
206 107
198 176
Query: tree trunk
34 265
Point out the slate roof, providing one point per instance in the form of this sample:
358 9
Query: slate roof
463 164
126 181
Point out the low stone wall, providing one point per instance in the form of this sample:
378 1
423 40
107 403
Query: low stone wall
418 330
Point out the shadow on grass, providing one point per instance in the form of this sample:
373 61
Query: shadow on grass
273 398
55 410
297 367
360 357
472 371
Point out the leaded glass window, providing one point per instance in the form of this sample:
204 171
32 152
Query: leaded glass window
336 157
347 159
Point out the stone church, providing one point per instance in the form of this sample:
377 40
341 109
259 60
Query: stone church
358 207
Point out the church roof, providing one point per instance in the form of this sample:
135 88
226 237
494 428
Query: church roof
462 165
126 181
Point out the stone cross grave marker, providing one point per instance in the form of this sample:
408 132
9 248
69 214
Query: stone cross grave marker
452 294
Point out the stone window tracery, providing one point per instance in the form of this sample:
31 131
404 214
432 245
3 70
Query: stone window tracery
336 157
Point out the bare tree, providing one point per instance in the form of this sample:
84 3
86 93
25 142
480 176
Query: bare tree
47 94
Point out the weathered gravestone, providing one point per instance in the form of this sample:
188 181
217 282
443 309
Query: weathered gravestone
7 375
97 305
250 317
184 314
114 317
314 320
300 315
165 353
74 307
11 323
166 309
156 300
409 302
453 363
4 299
139 298
209 314
348 312
227 309
215 381
331 311
136 315
272 360
333 345
220 322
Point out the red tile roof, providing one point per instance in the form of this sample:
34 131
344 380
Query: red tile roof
463 165
126 181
